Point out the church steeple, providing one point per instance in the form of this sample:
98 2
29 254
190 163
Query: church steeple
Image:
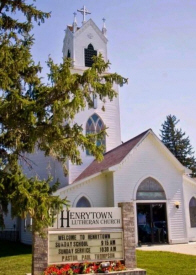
81 43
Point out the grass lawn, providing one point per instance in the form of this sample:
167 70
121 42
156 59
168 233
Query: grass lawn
15 259
166 263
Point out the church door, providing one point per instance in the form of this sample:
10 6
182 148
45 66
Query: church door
152 223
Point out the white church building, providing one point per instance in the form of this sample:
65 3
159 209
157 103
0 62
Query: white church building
141 170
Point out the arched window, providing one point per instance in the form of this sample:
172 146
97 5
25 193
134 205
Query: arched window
95 125
83 202
88 54
192 210
68 54
150 189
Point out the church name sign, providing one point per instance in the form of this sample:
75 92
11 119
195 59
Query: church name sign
72 240
89 217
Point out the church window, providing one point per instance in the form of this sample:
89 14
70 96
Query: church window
150 189
95 125
68 54
83 202
192 210
89 53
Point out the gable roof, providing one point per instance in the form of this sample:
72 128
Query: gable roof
91 23
111 158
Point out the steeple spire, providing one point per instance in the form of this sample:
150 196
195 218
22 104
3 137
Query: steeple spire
104 30
84 11
74 23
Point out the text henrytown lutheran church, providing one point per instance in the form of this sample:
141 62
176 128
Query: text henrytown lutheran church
141 170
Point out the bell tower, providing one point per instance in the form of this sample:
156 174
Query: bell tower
80 44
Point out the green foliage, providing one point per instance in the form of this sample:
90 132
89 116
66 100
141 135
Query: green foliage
176 141
33 115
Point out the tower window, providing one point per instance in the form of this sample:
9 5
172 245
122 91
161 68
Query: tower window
89 53
95 125
68 54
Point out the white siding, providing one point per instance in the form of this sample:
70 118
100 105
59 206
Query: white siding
111 119
110 190
189 192
43 167
68 44
148 160
25 233
94 190
10 223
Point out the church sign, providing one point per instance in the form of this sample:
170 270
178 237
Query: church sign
71 239
86 218
82 246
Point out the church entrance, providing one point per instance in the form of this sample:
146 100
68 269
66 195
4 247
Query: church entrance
152 223
151 214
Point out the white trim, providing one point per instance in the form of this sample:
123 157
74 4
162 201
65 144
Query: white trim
75 184
79 197
94 26
133 149
189 179
141 180
179 241
173 158
84 231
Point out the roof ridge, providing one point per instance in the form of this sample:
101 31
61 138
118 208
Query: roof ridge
124 143
111 158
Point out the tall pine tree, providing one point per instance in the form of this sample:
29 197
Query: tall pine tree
32 114
177 142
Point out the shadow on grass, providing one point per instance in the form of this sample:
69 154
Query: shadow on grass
8 248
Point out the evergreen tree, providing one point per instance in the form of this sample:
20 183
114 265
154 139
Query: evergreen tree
32 114
177 142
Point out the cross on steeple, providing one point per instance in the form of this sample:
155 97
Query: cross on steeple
84 11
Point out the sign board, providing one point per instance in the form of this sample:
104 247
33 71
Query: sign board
91 217
85 246
86 234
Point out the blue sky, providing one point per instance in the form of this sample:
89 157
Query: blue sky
152 42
